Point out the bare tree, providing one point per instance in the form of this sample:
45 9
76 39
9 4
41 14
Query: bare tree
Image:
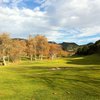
42 46
17 49
31 48
4 46
54 50
35 47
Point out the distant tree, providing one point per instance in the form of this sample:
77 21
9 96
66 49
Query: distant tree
65 53
83 50
97 44
89 49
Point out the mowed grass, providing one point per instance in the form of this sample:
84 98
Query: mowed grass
73 78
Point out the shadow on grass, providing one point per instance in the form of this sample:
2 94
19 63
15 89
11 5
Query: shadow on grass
67 82
85 60
72 81
35 69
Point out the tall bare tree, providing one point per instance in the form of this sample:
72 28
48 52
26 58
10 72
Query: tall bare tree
54 50
4 46
31 48
17 49
42 46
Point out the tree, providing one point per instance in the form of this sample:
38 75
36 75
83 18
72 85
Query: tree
54 50
31 48
97 44
35 47
89 49
18 48
42 46
4 46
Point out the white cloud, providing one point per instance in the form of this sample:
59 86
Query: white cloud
86 12
20 21
82 14
77 19
90 31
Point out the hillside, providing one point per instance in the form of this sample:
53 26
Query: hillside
91 48
67 46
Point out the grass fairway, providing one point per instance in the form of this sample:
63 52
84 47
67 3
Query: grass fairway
76 78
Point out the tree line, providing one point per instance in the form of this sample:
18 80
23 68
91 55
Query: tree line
34 48
91 48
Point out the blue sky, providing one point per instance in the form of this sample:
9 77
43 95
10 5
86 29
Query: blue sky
59 20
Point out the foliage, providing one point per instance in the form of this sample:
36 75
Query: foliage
18 49
69 46
39 48
4 44
35 47
89 49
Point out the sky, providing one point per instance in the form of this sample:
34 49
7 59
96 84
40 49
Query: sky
59 20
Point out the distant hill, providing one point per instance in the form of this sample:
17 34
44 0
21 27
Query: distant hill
67 46
52 42
20 39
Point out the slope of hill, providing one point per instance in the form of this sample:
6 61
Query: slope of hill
89 49
20 39
67 46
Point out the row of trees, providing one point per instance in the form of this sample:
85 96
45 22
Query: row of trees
89 49
39 48
34 47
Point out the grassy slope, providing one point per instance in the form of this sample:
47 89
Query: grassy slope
77 79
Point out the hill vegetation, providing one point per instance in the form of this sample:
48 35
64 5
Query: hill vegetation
91 48
67 46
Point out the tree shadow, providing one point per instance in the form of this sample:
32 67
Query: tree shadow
56 80
86 60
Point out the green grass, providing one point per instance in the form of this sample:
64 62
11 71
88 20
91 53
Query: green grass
77 78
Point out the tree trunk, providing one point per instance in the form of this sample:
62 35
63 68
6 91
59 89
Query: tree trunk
35 57
41 57
31 57
8 59
4 62
52 57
